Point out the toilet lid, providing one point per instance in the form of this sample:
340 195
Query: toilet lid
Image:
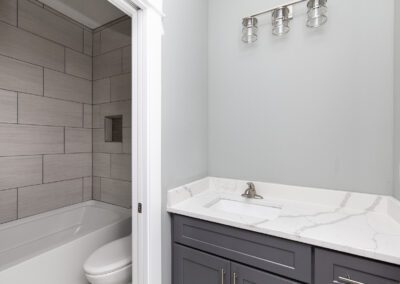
111 257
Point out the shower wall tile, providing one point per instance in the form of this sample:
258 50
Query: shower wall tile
78 140
116 36
49 25
28 47
20 171
116 192
78 64
8 205
87 116
96 188
87 189
30 140
100 146
68 166
66 87
20 76
121 87
127 59
101 91
88 42
107 64
127 140
101 165
8 11
121 166
96 43
41 198
8 106
46 111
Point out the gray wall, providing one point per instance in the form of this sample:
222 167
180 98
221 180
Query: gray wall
396 165
112 97
184 102
314 108
45 110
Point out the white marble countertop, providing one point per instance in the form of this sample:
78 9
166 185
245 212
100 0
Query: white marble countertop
361 224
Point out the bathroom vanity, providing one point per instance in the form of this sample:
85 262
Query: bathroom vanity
214 241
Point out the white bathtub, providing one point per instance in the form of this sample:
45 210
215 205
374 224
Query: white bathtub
51 248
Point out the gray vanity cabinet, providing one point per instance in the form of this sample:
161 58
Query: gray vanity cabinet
241 274
195 267
339 268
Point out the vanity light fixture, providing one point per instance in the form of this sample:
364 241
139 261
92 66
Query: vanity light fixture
281 16
249 33
316 13
280 21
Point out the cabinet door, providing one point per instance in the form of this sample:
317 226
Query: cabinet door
195 267
245 275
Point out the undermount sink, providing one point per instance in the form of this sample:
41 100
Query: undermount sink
246 209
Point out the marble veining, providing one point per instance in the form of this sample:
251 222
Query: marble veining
361 224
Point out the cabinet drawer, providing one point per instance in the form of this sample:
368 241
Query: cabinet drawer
282 257
338 268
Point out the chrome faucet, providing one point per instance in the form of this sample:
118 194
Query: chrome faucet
251 192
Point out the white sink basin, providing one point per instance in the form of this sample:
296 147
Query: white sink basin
246 209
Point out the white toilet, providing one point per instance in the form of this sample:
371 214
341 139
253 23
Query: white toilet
111 264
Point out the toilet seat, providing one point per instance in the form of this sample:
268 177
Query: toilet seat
112 261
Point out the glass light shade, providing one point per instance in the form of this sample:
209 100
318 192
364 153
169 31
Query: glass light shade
280 21
249 32
317 11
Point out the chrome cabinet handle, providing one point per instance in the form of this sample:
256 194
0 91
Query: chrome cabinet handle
222 276
234 277
346 281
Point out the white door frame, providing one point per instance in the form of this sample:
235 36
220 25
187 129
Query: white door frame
146 138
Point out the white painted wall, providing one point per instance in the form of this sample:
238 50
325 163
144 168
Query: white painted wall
396 165
185 107
314 108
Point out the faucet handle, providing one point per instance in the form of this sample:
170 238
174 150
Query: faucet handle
251 185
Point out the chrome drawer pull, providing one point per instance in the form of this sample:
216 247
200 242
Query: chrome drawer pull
234 277
222 276
346 281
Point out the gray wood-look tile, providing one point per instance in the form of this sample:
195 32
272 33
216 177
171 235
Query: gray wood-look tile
78 64
127 59
108 64
8 106
87 116
47 111
8 205
8 11
27 47
99 146
87 188
63 86
121 166
78 140
102 165
121 87
116 192
20 171
96 43
48 25
127 140
88 42
96 189
41 198
101 91
20 76
68 166
30 140
116 36
116 108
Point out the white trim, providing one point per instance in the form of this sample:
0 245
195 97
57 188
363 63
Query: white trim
146 115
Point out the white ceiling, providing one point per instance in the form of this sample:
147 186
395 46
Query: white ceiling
91 13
